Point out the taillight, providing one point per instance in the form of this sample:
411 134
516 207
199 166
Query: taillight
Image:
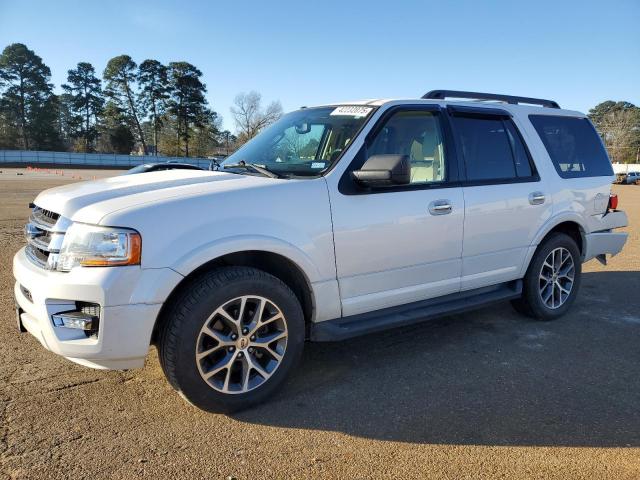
613 201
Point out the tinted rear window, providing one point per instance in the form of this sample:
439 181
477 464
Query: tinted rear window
573 145
492 149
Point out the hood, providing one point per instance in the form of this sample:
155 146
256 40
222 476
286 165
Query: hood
90 201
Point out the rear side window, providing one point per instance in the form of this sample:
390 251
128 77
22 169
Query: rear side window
520 155
492 149
573 145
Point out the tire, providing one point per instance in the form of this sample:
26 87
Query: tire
548 300
255 363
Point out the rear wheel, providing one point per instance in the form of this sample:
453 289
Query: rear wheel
552 279
232 338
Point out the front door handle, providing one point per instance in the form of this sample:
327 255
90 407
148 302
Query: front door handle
536 198
440 207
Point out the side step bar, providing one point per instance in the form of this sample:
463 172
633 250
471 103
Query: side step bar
370 322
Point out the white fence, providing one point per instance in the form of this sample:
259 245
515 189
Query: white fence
34 158
626 167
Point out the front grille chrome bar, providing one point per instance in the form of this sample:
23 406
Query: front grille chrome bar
44 234
44 217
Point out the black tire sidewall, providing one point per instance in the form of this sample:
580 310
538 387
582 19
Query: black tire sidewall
246 282
531 282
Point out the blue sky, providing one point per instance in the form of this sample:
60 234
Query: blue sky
310 52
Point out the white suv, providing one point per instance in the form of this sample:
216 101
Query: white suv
335 221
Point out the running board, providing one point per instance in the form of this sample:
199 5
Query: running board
402 315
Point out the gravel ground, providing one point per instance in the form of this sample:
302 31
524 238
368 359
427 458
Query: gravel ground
487 394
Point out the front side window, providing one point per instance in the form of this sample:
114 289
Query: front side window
305 142
573 145
417 134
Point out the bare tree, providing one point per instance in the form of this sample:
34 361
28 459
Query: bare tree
250 117
618 130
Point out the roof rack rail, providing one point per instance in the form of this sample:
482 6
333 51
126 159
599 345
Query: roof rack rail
442 94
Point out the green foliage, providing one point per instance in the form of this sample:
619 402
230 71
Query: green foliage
120 76
27 104
152 100
187 102
86 101
115 134
153 81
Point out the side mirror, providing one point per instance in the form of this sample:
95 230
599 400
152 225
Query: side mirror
384 171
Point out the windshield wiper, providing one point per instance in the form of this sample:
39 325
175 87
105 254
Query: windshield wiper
256 168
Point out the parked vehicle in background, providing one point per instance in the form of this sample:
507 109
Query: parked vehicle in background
631 178
156 167
619 178
335 221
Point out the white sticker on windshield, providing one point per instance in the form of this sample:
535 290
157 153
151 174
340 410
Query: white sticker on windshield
352 111
317 165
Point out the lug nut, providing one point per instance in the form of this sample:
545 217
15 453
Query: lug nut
231 349
234 336
240 355
253 337
250 349
245 330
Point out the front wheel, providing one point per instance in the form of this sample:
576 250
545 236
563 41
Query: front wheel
232 338
552 280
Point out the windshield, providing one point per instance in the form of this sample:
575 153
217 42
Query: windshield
304 142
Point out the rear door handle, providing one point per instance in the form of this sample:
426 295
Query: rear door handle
440 207
536 198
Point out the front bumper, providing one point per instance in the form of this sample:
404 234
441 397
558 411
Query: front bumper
130 299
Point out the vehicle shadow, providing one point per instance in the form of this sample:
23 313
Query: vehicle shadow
490 377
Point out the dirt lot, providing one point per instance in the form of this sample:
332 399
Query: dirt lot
487 394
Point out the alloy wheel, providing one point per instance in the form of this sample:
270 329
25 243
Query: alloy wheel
241 344
556 278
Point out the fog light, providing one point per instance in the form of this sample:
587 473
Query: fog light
78 320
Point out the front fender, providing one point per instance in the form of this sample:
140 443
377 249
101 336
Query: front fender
190 261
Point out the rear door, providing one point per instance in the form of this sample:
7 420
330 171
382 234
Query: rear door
505 201
392 245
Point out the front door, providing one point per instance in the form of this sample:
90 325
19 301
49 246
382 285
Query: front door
397 245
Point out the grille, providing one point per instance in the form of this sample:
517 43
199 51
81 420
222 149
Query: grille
44 234
45 217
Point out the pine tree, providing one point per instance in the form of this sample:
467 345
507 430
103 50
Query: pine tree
154 94
85 92
115 134
120 77
187 103
27 105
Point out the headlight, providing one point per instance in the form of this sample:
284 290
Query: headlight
92 246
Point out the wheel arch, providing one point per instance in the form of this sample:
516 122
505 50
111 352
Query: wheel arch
572 229
570 226
276 264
